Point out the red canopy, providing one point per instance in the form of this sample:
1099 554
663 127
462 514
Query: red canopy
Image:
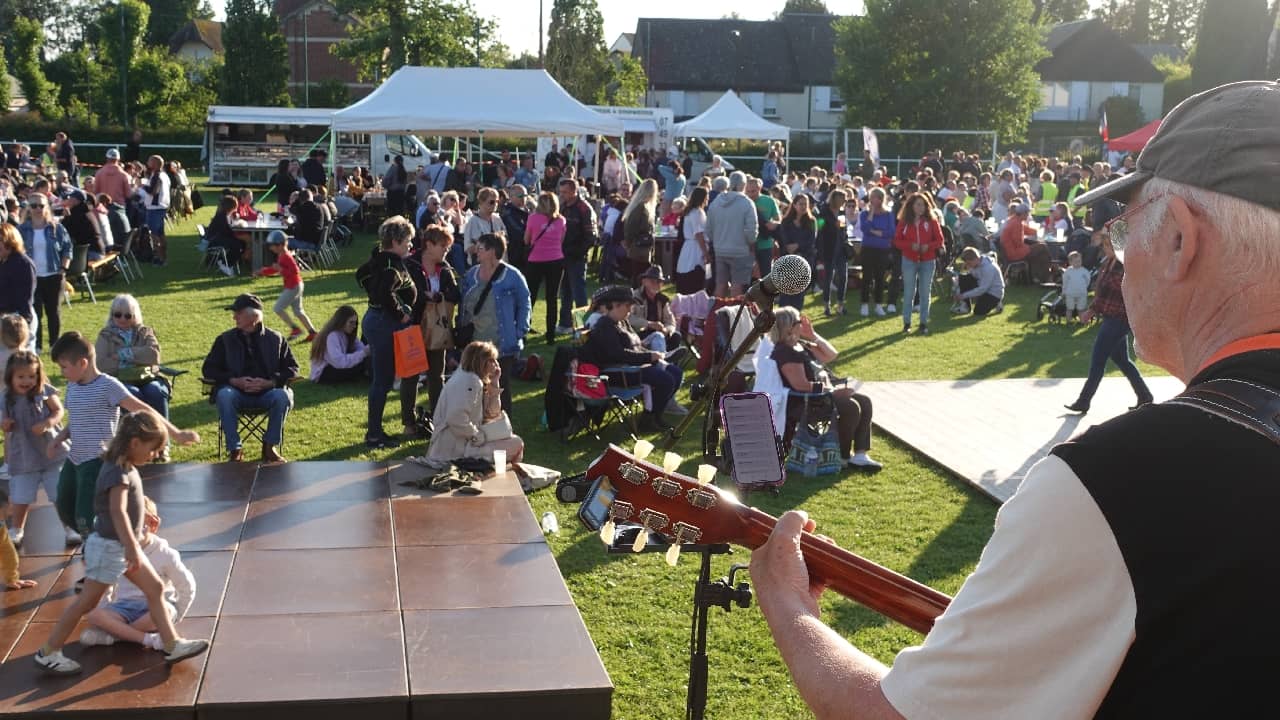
1136 140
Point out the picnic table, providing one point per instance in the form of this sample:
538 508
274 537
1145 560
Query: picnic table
258 232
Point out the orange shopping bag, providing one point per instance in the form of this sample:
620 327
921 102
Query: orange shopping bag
411 352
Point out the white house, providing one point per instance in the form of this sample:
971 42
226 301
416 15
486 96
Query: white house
1090 63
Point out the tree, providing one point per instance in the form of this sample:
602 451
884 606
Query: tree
388 34
89 90
169 16
5 98
576 53
1124 115
330 93
120 33
525 61
27 37
1052 12
1232 43
1177 80
256 54
627 82
797 7
984 75
1171 22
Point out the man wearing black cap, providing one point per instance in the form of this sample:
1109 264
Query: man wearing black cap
251 367
82 228
1121 580
612 343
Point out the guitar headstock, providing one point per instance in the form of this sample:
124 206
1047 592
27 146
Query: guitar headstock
627 489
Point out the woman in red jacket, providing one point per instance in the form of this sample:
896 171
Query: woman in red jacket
919 238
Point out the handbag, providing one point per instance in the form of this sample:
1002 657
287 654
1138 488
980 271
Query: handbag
197 200
498 428
410 352
464 332
815 449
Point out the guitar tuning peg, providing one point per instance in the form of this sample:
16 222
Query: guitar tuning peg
706 473
673 554
670 462
607 532
642 537
643 448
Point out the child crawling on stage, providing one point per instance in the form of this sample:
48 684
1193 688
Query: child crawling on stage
122 614
114 549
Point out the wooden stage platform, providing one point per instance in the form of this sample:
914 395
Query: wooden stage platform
990 432
330 591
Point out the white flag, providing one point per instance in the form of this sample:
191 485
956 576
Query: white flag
871 144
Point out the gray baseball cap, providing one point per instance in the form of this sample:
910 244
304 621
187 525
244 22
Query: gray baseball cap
1225 140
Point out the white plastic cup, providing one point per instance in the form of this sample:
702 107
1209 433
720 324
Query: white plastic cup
1059 232
499 462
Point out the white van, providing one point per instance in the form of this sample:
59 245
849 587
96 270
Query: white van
243 145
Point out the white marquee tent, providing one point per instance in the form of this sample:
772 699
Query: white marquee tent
729 117
473 101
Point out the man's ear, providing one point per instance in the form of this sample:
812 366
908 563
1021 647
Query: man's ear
1186 243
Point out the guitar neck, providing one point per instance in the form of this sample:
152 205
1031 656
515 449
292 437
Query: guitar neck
895 596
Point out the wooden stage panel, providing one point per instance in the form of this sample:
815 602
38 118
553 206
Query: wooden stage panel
118 678
528 662
307 575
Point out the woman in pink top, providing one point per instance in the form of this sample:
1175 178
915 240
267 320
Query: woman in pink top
543 237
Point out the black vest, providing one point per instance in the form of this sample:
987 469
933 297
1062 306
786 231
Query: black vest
1193 501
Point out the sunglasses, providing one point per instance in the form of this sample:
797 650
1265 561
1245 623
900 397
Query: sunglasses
1118 227
39 206
122 315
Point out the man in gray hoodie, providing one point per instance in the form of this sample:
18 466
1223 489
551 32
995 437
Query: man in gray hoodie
731 228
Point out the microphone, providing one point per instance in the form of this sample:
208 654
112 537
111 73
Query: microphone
790 276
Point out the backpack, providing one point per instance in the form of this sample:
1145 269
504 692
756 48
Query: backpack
531 369
143 245
586 381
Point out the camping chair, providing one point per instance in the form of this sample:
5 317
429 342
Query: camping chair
768 380
1018 268
79 272
600 399
251 422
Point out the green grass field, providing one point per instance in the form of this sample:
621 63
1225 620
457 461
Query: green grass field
913 517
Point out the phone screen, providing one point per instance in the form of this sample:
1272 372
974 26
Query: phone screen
753 441
594 510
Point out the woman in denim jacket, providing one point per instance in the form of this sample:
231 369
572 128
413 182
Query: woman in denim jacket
503 319
51 256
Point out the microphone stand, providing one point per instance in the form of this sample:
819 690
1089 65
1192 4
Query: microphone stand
715 385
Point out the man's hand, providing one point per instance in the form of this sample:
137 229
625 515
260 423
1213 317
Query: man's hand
1086 317
779 572
186 437
7 424
21 584
132 557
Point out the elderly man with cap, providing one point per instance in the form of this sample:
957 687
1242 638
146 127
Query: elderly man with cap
112 179
1120 579
651 317
251 366
612 343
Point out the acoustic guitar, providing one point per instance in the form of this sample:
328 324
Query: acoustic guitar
629 490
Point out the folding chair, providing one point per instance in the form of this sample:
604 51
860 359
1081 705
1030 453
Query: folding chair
599 399
213 257
251 422
78 273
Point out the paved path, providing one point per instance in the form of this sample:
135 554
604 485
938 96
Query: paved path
990 432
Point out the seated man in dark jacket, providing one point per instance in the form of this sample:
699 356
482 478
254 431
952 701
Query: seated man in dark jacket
612 343
308 222
251 366
82 228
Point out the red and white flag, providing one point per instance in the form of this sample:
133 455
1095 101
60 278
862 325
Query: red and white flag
1102 127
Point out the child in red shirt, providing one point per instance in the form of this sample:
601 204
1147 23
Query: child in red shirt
291 296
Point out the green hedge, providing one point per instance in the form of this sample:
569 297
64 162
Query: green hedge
29 128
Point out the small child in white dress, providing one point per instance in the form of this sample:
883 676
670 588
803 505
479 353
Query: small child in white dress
1075 286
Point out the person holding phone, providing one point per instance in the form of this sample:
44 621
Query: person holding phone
801 353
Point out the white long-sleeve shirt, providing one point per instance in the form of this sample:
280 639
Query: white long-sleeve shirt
336 355
179 583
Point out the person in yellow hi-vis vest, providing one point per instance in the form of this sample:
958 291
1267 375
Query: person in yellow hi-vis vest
1078 212
1048 195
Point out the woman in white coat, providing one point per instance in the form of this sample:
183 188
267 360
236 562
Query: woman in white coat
469 421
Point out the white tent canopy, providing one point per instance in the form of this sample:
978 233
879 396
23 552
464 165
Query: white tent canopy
270 115
729 117
473 101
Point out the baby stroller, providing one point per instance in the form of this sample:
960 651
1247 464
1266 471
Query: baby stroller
1053 305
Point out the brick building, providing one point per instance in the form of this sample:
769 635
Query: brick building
310 28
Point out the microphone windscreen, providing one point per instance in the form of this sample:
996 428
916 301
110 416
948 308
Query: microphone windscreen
790 274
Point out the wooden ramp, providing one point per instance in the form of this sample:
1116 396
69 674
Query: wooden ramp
990 432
